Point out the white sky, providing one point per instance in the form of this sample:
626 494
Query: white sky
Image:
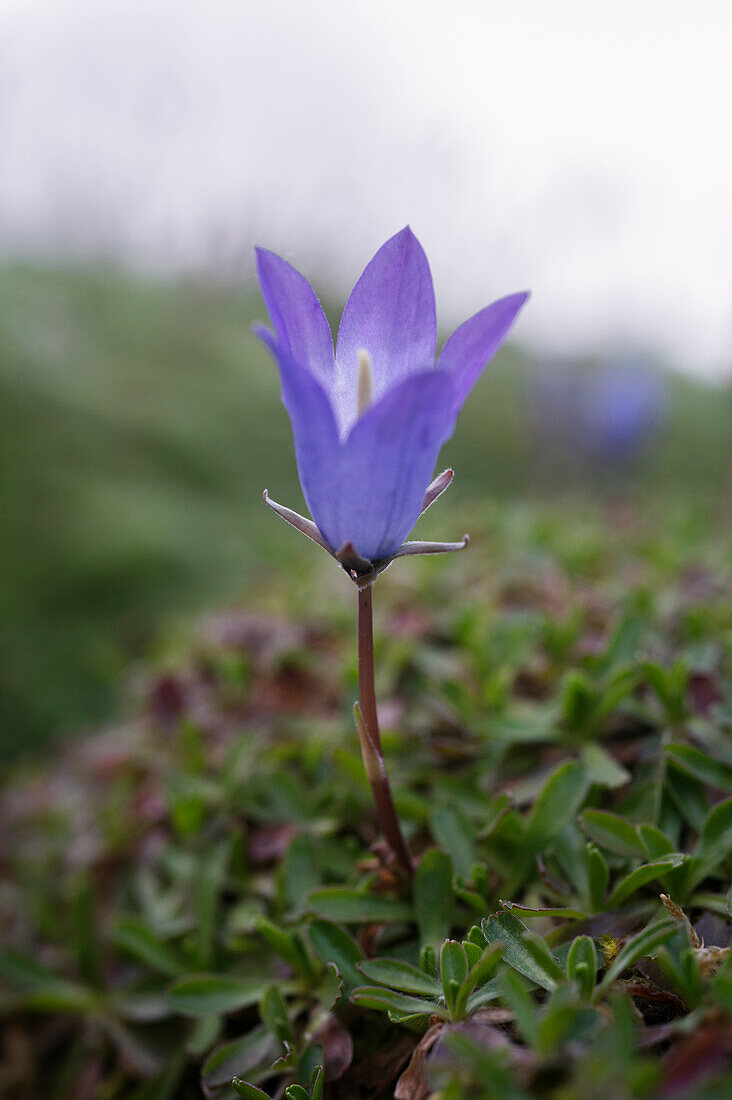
580 149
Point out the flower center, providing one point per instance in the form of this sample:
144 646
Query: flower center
365 387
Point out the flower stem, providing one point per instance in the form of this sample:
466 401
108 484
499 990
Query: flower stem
370 737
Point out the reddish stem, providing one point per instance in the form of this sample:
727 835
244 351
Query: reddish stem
371 749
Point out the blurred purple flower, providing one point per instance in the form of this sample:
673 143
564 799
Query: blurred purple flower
368 421
621 410
596 418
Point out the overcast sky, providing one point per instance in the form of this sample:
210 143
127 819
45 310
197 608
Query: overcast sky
579 149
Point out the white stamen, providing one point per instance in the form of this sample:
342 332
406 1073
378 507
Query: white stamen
365 391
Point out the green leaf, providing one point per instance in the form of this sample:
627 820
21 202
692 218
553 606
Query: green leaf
85 934
714 845
557 803
202 1035
611 832
491 991
296 1092
257 1048
506 927
249 1092
428 959
520 1000
273 1011
700 765
473 952
564 1019
398 1005
399 975
567 912
331 988
689 797
333 945
602 768
655 842
475 935
317 1083
619 685
301 872
542 956
289 946
518 729
210 994
339 903
678 959
598 876
578 701
208 885
189 797
310 1061
571 857
647 872
582 964
453 962
141 1006
434 901
61 996
669 684
22 970
454 833
721 987
623 645
138 940
454 971
484 967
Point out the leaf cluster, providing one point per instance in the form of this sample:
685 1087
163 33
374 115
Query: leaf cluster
198 901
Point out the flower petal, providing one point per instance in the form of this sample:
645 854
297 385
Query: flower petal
299 322
314 430
387 462
471 346
390 313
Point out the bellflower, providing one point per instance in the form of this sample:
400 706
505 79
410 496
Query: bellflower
369 419
620 410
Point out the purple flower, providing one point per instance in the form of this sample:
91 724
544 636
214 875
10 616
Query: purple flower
369 420
620 410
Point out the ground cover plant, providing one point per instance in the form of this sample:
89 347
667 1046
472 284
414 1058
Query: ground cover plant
201 896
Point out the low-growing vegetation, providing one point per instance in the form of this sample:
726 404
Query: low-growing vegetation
196 902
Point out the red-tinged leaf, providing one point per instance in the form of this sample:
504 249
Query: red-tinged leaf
337 1044
694 1058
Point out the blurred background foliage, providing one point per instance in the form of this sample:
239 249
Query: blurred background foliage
140 422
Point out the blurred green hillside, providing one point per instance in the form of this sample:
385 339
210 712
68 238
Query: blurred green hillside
139 423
